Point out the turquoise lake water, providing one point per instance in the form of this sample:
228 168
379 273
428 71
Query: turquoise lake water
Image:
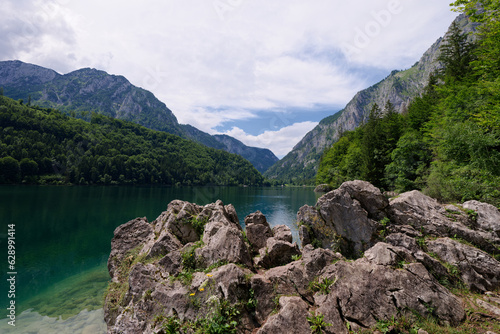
63 237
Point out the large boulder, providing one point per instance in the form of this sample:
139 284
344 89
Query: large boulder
277 253
378 292
426 215
344 218
257 230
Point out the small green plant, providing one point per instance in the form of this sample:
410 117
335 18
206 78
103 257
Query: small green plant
199 224
252 302
322 285
421 242
472 215
383 227
296 257
171 325
189 260
317 323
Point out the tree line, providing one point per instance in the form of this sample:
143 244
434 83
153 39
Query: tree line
44 146
448 141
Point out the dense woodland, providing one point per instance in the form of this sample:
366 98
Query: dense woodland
448 142
45 146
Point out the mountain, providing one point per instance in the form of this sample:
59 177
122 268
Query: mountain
399 87
91 90
44 146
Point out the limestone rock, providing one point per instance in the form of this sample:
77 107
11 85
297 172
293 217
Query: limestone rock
341 210
257 230
283 232
378 292
227 245
277 253
291 318
426 215
477 269
127 237
370 197
488 216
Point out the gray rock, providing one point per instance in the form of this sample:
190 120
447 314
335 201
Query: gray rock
263 294
257 230
277 253
488 216
477 269
283 232
291 318
127 237
179 220
403 240
323 188
387 255
348 218
380 292
426 215
227 245
370 197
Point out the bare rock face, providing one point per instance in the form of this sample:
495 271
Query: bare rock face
291 319
127 237
378 291
344 218
478 270
258 230
193 265
425 214
488 216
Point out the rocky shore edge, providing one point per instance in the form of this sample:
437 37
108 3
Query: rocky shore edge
364 261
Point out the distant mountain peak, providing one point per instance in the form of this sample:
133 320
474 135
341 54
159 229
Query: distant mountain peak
90 89
399 87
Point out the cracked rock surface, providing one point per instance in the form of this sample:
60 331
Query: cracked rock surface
363 259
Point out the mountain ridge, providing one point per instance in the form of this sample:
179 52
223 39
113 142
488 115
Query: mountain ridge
91 90
399 87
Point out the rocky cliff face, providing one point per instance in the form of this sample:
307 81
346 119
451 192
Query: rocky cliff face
364 260
399 87
92 90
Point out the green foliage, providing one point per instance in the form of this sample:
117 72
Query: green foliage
448 142
317 323
10 170
323 286
49 146
189 259
221 319
455 54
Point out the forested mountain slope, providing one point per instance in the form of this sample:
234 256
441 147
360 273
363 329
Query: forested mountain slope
448 141
45 146
399 87
89 90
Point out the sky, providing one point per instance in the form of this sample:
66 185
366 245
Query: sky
264 72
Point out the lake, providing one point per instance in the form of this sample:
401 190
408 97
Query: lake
63 239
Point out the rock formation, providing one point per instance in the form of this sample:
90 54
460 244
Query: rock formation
364 259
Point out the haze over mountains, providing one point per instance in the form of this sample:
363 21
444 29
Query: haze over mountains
91 90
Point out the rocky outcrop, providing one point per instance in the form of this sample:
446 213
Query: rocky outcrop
195 269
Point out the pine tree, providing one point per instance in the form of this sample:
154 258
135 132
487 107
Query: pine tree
455 54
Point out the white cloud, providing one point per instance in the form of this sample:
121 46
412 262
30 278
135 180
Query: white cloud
221 60
280 142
